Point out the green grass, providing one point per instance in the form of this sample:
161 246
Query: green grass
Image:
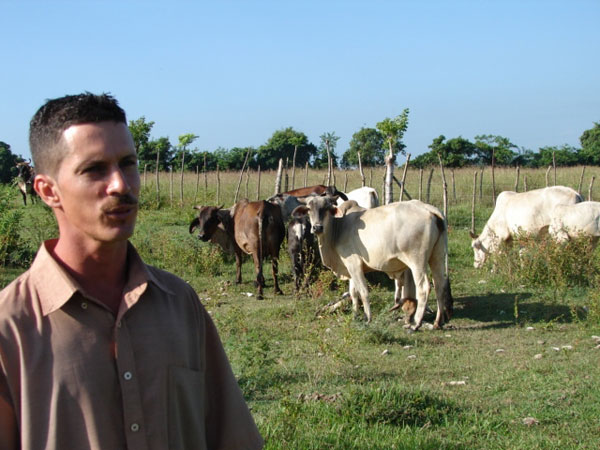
514 350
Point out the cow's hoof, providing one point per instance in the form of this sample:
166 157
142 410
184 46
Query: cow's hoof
259 297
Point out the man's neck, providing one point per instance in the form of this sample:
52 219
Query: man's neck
101 270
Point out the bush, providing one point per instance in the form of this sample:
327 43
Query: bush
12 248
543 262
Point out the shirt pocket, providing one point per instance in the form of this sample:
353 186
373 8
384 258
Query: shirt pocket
186 409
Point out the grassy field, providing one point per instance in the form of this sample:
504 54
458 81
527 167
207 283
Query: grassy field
517 367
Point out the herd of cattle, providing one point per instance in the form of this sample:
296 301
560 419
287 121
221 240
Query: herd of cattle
355 235
404 240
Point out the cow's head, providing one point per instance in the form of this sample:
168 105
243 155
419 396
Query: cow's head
479 250
207 221
320 210
25 170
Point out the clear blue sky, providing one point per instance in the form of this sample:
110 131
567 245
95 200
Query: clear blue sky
233 72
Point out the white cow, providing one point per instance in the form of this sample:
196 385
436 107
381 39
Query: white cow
568 221
528 212
365 196
390 239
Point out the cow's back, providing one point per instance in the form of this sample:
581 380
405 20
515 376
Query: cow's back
529 211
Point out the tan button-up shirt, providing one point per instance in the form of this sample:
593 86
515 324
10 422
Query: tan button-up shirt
72 376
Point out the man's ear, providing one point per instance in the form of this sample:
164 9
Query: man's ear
46 188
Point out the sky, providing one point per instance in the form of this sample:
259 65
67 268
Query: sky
234 72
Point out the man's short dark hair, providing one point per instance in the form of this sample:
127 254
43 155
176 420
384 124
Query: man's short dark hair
56 115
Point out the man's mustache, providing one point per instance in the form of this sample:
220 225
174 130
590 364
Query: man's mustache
121 200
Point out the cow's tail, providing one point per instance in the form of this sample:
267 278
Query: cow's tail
447 299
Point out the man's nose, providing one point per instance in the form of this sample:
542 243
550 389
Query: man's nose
118 183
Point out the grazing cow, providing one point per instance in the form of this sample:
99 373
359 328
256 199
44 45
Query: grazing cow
25 181
568 221
215 225
254 228
365 196
528 212
389 239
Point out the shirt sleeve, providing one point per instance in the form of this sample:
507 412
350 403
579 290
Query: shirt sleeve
9 439
229 424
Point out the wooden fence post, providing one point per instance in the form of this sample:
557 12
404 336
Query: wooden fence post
554 165
345 181
517 179
404 176
493 177
360 170
205 180
218 185
453 185
171 185
481 185
547 172
145 173
181 180
371 177
429 184
420 184
581 180
157 180
197 185
590 197
473 202
294 166
278 178
525 183
305 174
258 184
237 189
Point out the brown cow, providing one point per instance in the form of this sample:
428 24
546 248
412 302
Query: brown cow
255 228
317 189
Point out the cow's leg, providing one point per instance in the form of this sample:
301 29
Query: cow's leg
260 279
423 288
358 288
238 267
274 270
439 282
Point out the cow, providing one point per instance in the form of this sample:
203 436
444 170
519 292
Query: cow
302 250
25 177
222 234
365 196
527 212
390 239
289 200
580 219
254 228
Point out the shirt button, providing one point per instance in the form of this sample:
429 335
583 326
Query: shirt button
135 427
84 305
127 376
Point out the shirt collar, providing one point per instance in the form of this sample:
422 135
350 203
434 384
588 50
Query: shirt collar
55 286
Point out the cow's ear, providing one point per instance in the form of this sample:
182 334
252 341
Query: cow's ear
198 207
337 212
194 224
299 211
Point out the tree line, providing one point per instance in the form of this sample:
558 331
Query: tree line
371 145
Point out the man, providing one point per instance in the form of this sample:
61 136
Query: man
97 349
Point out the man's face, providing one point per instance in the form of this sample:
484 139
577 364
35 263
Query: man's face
98 183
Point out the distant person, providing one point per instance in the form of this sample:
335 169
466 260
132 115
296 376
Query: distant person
97 349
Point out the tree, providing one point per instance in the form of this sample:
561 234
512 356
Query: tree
233 159
281 145
371 145
590 145
140 132
487 144
456 152
321 160
393 131
563 156
164 148
8 162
